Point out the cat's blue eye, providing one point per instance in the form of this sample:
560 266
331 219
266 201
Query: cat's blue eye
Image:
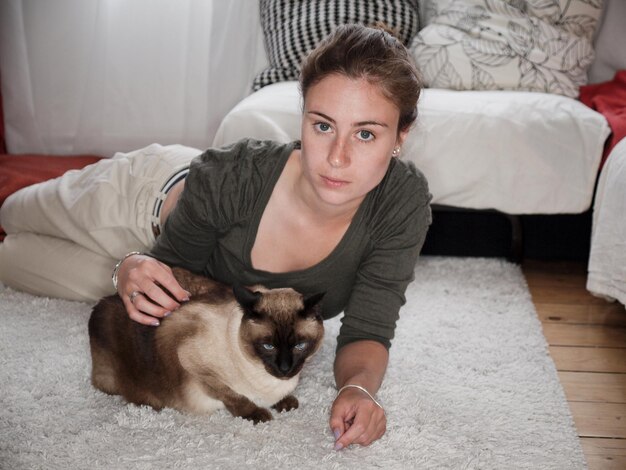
268 346
301 346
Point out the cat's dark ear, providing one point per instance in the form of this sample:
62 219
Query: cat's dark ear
246 298
312 304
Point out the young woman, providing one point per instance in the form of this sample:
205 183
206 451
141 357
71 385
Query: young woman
336 213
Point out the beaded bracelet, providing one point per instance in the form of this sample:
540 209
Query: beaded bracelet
119 263
363 390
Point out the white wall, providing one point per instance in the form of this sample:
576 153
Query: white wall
102 76
610 42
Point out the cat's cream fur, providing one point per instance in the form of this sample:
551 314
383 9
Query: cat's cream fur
236 369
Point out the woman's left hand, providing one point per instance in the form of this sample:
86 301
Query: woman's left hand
356 419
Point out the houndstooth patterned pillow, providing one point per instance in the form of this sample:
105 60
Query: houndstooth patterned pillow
292 28
528 45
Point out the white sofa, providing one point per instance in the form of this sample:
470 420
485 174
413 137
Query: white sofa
516 152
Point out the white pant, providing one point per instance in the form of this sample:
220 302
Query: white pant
65 235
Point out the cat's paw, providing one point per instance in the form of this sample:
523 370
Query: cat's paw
259 415
286 404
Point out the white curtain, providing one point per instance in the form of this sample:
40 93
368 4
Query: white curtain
100 76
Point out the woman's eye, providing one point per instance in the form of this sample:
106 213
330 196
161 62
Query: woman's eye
300 346
268 346
322 126
366 135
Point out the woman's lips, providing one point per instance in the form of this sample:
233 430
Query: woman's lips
334 183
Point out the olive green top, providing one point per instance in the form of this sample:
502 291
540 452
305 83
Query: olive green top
214 225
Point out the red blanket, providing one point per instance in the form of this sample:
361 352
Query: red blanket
18 171
609 99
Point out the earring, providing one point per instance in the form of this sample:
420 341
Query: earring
395 152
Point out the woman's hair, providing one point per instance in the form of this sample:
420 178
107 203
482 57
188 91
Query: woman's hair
373 54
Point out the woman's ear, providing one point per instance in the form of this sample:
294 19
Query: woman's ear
397 149
402 137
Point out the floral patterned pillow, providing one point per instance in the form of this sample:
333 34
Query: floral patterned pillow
529 45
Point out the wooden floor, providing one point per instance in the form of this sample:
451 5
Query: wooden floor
587 340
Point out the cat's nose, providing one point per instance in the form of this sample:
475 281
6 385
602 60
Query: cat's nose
285 365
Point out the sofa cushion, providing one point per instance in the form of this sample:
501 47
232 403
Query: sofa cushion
514 151
535 45
292 28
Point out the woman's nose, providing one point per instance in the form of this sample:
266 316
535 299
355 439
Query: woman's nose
338 156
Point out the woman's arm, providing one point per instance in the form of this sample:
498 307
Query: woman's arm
356 418
187 240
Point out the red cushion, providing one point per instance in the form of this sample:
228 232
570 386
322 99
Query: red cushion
18 171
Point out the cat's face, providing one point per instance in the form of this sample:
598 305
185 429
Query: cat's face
280 328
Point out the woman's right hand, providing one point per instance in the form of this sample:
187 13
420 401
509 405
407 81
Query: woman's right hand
141 281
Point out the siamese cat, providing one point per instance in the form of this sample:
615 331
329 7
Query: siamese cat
242 349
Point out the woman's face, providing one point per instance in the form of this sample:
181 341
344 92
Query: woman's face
349 130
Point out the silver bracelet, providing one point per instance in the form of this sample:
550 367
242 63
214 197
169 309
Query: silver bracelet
119 263
363 390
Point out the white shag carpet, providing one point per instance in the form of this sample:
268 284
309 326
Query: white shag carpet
470 386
